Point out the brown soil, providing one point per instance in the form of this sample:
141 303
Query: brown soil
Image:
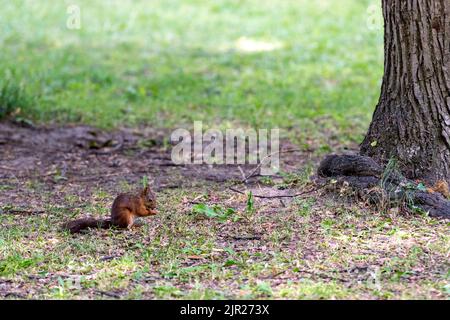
79 159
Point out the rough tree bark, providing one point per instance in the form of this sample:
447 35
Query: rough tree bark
412 119
411 122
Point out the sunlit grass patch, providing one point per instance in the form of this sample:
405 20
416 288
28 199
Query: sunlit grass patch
170 62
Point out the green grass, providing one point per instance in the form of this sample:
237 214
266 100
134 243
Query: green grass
179 254
168 63
13 98
165 63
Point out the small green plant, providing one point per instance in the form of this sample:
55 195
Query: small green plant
231 262
296 179
16 262
167 291
59 176
215 212
327 224
250 209
263 289
421 187
304 206
266 180
397 190
390 172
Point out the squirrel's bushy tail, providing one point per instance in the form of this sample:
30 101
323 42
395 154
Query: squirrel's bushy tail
79 225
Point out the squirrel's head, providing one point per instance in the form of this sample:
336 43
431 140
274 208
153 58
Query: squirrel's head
149 197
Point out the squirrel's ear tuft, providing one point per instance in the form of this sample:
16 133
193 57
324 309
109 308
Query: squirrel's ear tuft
144 191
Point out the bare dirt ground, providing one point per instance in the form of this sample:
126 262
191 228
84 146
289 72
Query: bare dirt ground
313 246
84 157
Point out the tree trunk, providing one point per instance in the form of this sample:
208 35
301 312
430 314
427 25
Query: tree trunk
411 122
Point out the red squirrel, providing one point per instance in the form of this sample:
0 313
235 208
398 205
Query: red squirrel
442 187
125 208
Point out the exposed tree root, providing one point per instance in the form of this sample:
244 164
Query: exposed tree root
382 185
